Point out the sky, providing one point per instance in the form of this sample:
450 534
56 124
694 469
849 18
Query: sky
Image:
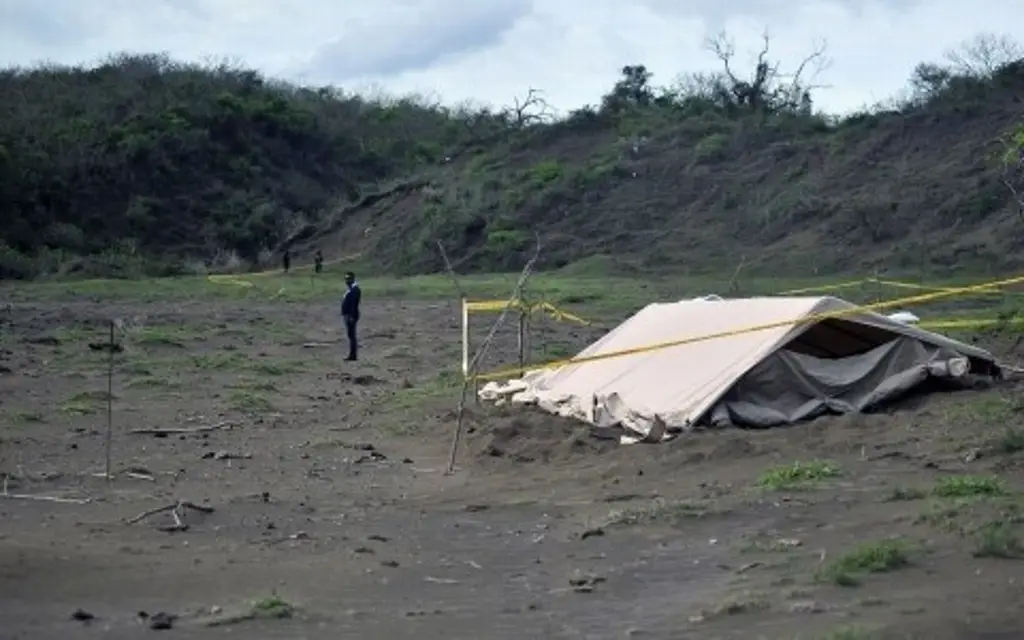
490 52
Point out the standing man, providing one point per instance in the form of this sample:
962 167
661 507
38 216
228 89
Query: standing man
318 262
286 260
350 313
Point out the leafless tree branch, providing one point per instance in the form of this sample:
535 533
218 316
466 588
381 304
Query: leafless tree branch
532 109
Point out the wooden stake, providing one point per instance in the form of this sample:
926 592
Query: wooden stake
521 342
108 443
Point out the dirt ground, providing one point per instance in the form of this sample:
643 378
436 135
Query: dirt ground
332 516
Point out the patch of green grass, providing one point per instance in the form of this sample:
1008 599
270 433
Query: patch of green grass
251 402
968 487
557 349
960 516
278 367
797 475
272 607
84 403
77 409
874 557
264 386
137 368
998 539
412 396
153 382
26 417
942 516
75 335
158 336
1009 442
899 494
220 361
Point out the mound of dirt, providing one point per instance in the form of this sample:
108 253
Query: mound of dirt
528 435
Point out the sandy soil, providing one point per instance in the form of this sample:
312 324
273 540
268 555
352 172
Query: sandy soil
332 517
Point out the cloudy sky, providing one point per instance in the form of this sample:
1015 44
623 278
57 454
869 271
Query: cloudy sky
490 51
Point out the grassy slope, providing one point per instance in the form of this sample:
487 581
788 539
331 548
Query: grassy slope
144 161
917 190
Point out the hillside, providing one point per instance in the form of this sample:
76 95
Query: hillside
143 165
697 186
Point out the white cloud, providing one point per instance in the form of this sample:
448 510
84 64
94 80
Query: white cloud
491 51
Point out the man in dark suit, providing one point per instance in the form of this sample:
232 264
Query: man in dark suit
350 313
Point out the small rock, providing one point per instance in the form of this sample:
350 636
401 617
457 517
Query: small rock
161 621
585 583
82 615
749 566
373 456
591 533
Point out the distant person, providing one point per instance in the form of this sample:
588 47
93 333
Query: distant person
286 261
318 261
350 313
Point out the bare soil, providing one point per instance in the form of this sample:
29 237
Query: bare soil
332 516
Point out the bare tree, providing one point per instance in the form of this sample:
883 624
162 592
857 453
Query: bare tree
769 87
983 55
533 109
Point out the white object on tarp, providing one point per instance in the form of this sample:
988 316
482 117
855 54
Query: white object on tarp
708 298
904 317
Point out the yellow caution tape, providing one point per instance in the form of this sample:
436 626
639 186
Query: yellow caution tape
546 307
971 323
561 314
238 279
825 287
921 287
819 317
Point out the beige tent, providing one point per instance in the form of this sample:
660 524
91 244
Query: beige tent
801 365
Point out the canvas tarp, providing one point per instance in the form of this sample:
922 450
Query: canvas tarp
787 371
787 386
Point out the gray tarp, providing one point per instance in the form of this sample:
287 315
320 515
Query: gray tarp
787 387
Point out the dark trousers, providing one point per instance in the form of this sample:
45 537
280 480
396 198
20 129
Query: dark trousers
350 331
